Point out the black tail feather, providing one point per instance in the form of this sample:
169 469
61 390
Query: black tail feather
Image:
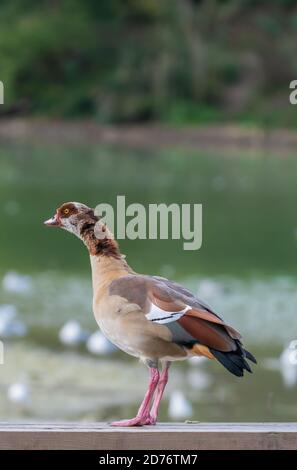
234 361
239 361
250 356
247 366
225 360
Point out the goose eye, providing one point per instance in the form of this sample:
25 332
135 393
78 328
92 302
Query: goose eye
66 211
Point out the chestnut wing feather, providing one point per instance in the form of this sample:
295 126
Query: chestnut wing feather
189 319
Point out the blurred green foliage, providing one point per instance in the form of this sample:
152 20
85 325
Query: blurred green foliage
179 61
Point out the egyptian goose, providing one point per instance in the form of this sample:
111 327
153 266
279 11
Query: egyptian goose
148 317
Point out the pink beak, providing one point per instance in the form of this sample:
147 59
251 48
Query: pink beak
53 222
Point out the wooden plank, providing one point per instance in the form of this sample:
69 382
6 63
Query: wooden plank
172 436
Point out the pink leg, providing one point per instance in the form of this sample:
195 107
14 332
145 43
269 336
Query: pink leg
143 412
152 419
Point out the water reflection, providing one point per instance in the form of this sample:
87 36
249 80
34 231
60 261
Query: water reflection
51 369
246 270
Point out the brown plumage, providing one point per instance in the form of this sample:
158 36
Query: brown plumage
149 317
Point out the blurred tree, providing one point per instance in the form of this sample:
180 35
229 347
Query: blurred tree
139 60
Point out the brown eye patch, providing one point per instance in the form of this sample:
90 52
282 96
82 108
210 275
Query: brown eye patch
67 210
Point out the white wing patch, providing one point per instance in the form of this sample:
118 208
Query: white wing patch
158 315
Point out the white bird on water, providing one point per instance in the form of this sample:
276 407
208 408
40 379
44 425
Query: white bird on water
179 407
98 344
18 393
72 334
17 283
10 326
288 364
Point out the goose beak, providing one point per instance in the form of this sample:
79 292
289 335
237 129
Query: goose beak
53 222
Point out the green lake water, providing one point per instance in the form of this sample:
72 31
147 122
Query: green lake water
246 269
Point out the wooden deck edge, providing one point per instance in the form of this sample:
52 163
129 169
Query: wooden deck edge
165 436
